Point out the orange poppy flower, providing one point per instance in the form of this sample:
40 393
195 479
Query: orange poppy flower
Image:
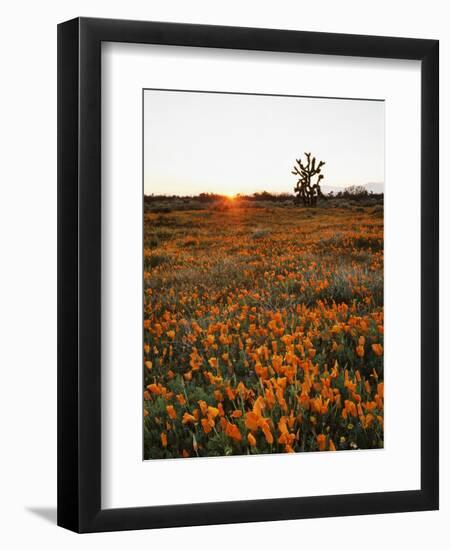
230 393
203 407
180 398
233 431
188 418
262 372
380 389
218 395
267 433
258 406
171 411
321 441
377 349
213 412
207 425
252 421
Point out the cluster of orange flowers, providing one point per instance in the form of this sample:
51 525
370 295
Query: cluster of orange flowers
262 345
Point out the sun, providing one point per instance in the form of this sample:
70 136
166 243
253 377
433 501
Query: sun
230 196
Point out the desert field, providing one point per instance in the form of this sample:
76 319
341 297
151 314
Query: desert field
263 330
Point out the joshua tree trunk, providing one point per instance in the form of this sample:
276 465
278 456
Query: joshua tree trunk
307 192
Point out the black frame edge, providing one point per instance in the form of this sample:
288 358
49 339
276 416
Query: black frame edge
217 513
430 275
68 396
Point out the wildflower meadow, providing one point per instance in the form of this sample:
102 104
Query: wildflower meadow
263 329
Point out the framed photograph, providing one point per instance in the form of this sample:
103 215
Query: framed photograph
248 275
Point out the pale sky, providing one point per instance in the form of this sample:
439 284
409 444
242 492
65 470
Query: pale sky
198 142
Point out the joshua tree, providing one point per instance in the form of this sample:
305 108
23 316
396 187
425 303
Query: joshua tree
307 189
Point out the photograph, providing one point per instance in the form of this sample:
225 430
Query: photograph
263 274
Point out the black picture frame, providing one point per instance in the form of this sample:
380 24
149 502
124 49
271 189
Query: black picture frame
79 274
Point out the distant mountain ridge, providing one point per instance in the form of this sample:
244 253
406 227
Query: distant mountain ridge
372 187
